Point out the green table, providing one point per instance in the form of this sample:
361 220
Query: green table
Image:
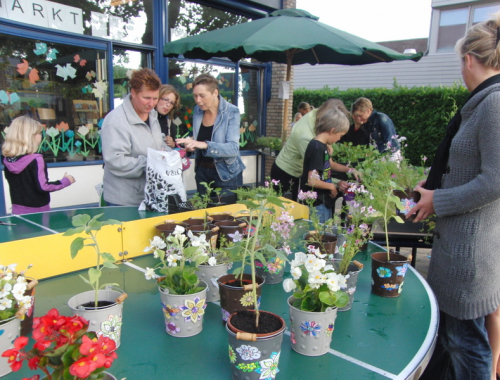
378 338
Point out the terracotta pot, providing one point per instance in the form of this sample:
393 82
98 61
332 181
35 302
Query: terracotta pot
229 227
27 322
409 198
388 276
167 228
184 312
197 221
211 232
328 242
220 216
311 332
252 355
235 296
106 320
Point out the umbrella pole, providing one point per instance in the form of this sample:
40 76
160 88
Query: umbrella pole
285 113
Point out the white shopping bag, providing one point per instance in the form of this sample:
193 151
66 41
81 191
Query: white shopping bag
163 178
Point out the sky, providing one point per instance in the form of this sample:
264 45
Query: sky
374 20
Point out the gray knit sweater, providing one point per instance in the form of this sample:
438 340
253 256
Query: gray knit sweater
465 267
125 142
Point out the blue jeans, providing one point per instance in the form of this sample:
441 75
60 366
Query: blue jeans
208 175
462 351
323 213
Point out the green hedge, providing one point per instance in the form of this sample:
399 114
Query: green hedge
419 113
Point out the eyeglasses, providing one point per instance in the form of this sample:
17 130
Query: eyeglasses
167 102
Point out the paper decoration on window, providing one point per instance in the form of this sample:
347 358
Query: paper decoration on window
99 89
90 75
87 89
99 123
252 128
41 48
22 67
129 73
83 130
125 84
66 71
6 98
52 132
52 55
83 62
189 86
33 77
182 79
177 121
62 126
255 122
76 58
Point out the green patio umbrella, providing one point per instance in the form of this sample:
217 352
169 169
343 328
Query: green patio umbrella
291 36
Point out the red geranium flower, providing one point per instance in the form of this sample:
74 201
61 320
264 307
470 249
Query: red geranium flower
82 368
15 355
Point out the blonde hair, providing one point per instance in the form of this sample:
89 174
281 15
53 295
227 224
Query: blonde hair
20 137
481 41
169 89
332 119
362 104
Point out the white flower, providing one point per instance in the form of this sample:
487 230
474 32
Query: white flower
289 285
212 261
328 267
172 259
12 267
316 279
179 230
300 257
5 303
313 264
20 279
26 301
8 277
198 241
150 273
18 290
6 290
332 282
296 273
156 243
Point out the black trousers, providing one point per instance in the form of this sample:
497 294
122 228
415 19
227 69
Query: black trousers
287 182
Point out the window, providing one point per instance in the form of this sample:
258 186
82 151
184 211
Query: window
64 87
122 20
454 22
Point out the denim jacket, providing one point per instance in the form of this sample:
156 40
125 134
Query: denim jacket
224 146
382 131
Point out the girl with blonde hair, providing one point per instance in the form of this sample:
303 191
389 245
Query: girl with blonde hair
25 169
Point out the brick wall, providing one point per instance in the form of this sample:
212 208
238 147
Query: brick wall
275 106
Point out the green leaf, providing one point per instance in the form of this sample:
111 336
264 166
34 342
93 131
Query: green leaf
80 220
108 257
85 280
109 265
74 231
107 284
94 275
191 279
342 299
238 270
327 298
76 246
277 201
308 304
111 222
398 219
249 204
94 225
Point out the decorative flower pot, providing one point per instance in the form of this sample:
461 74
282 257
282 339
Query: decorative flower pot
211 232
229 227
220 216
167 228
273 272
236 295
104 320
328 242
27 322
255 356
388 276
353 271
311 333
10 329
408 198
209 274
184 312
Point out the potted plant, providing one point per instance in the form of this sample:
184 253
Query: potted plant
102 307
321 236
313 305
13 306
255 336
183 295
64 349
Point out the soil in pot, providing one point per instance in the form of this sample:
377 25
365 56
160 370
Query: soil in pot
220 216
244 320
197 221
100 304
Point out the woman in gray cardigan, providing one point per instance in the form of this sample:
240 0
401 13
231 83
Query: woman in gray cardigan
464 192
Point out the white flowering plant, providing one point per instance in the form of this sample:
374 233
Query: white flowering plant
13 285
83 223
180 255
315 283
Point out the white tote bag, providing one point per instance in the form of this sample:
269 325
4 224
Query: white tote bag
163 178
